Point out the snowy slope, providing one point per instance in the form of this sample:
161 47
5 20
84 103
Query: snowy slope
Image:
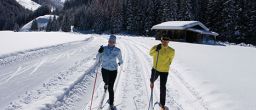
53 3
29 4
12 42
58 1
41 20
202 77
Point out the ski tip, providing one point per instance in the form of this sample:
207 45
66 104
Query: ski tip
156 107
166 108
113 108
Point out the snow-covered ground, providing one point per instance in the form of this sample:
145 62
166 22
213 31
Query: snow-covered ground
59 1
202 77
219 77
13 42
29 4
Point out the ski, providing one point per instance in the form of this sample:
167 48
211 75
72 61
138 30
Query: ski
112 108
150 106
157 103
102 99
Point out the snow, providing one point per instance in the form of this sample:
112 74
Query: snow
57 3
41 20
228 69
229 44
203 31
29 4
12 42
202 77
220 76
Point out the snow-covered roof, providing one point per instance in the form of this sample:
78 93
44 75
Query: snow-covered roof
178 25
203 31
194 26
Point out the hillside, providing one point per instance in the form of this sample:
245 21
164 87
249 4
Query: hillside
28 4
10 11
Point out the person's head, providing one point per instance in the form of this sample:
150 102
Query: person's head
165 40
112 40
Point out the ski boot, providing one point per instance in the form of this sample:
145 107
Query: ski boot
112 107
105 88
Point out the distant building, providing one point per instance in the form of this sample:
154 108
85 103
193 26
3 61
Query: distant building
186 31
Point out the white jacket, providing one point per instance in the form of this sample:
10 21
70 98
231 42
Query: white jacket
108 58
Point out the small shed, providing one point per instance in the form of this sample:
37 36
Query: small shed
185 31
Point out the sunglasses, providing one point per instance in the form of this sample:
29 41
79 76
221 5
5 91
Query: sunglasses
110 41
165 39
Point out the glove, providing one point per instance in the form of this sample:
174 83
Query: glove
119 64
158 47
101 49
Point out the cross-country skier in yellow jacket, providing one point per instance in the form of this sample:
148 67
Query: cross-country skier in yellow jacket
162 58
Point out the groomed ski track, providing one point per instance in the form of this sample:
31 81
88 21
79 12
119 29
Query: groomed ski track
132 83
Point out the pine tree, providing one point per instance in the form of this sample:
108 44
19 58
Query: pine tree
34 26
185 10
116 18
16 28
130 27
55 24
66 24
49 26
202 11
100 16
149 19
251 25
9 24
232 19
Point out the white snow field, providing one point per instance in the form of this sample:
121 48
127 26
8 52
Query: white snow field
13 42
61 77
29 4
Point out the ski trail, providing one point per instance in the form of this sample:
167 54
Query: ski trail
59 84
146 70
38 52
18 72
37 66
184 88
130 86
144 53
100 90
24 68
55 59
72 94
75 97
132 91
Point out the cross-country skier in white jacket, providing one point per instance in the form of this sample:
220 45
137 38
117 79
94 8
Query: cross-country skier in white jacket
108 56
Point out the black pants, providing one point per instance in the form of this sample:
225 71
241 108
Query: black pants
109 78
163 81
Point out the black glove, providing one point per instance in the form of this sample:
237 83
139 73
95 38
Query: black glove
101 49
158 47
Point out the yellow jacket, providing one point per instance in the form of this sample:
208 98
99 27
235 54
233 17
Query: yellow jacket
165 58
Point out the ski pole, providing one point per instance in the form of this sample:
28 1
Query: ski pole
95 81
151 96
93 90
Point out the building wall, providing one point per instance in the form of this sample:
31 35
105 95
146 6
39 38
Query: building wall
185 36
